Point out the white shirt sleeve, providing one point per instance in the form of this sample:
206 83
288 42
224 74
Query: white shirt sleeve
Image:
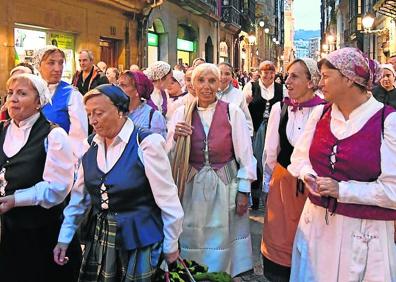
78 204
242 148
381 192
271 145
78 123
300 163
159 175
245 109
178 116
247 90
57 175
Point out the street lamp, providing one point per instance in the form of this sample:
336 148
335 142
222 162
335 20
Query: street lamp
261 23
266 30
368 21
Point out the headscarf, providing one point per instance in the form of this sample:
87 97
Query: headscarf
143 84
39 53
389 67
356 66
116 95
313 70
157 70
40 85
179 76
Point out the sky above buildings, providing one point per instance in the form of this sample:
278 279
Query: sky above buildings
306 14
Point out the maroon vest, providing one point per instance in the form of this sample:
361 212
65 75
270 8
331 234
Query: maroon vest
221 149
357 158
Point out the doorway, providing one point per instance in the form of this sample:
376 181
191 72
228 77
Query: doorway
108 51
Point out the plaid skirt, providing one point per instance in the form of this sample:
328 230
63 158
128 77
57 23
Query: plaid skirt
104 262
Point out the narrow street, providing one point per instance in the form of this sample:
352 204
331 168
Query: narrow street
256 229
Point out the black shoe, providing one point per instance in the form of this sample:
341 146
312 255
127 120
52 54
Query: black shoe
256 203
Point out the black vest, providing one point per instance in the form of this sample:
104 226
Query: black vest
24 170
258 106
286 149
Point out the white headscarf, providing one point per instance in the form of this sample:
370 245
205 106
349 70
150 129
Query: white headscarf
40 85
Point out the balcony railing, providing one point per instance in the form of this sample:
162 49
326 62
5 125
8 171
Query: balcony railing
230 15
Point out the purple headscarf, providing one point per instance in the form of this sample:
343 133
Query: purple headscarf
143 84
356 66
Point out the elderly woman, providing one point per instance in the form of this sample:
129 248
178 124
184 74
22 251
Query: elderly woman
214 166
36 175
138 88
286 196
125 174
385 92
160 74
347 159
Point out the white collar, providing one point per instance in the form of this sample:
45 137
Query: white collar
122 136
263 86
208 108
27 123
364 108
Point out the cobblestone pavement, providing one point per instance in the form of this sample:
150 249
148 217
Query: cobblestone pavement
256 228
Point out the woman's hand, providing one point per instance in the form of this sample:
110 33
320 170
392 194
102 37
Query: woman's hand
182 129
6 203
242 202
328 187
60 253
311 184
171 257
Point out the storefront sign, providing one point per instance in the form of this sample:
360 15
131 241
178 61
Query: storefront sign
152 39
223 49
62 40
185 45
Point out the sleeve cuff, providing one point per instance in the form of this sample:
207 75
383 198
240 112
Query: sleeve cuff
244 185
170 246
342 191
306 170
66 235
24 197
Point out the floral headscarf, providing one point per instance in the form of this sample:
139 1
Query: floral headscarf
356 66
157 70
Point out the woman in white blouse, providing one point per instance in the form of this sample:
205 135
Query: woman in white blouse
213 166
286 196
125 175
36 175
347 159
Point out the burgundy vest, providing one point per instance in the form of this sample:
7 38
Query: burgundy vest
221 149
357 158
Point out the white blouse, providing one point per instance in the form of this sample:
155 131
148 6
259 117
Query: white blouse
158 171
266 93
78 121
58 169
240 139
236 97
294 128
381 192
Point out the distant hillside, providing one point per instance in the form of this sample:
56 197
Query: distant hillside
306 34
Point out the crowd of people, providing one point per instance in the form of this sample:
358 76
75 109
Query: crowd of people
143 167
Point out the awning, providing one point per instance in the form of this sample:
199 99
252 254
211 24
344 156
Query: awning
386 7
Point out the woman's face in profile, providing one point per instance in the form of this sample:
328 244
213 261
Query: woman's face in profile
22 100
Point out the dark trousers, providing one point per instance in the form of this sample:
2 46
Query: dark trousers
26 254
275 272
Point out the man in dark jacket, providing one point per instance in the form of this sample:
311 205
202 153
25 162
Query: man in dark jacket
90 76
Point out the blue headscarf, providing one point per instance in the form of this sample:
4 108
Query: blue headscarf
116 95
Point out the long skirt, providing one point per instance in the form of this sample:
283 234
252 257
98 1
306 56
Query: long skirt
213 234
284 207
26 254
104 262
344 249
258 148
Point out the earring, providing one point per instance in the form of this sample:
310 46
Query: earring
37 108
121 116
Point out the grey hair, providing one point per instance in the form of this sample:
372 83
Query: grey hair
205 68
89 53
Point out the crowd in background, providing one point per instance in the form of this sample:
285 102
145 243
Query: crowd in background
144 166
